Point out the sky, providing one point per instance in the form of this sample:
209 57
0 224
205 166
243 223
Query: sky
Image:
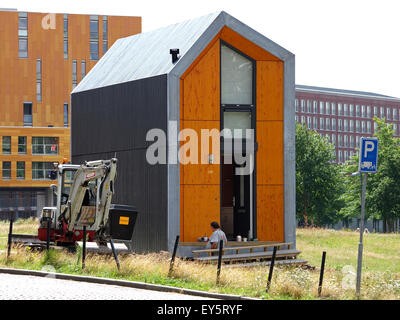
343 44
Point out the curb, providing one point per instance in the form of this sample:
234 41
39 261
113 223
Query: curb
124 283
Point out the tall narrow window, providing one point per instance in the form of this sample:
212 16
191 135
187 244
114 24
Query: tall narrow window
28 114
20 170
65 36
237 78
83 69
315 103
6 145
351 110
41 170
23 34
105 34
74 74
296 105
333 108
94 37
6 170
39 80
65 114
21 145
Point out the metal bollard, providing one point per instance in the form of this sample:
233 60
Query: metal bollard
271 268
48 235
221 245
171 265
321 276
10 238
115 254
84 247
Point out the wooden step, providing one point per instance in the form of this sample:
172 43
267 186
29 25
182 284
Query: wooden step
267 263
251 256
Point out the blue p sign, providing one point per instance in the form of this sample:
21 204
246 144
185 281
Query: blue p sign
368 155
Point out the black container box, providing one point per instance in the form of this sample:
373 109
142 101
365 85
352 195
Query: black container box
122 221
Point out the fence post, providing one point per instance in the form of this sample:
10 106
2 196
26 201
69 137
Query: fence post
171 265
84 247
321 276
10 238
221 245
271 268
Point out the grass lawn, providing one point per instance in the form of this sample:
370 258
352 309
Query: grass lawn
381 267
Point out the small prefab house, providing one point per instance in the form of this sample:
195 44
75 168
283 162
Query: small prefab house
157 101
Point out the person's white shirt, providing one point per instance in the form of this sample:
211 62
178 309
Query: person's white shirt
216 237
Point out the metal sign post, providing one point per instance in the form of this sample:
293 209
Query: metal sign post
368 164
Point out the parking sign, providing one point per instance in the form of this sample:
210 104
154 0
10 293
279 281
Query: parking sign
368 155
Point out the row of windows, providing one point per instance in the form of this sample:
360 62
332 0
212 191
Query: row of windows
94 35
349 110
40 145
28 118
332 124
40 170
343 140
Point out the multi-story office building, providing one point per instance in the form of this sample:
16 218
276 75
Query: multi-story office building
42 58
344 116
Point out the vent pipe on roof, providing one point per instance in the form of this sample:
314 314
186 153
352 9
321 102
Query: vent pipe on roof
175 55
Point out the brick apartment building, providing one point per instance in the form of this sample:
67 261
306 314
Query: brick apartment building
344 116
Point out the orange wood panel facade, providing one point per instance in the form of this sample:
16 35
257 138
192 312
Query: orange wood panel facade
18 79
200 109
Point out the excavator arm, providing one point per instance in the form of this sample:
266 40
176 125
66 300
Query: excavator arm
102 173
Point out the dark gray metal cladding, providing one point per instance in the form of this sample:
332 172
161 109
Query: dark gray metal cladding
113 122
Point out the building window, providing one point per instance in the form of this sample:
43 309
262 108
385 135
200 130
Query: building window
357 125
395 129
339 109
375 111
363 111
65 36
6 170
41 170
309 110
395 114
346 156
23 34
28 114
368 126
346 125
352 141
357 141
94 37
382 112
357 110
20 170
303 106
351 125
296 118
315 123
74 74
321 107
6 145
105 34
340 127
333 105
39 80
369 111
334 124
65 114
315 106
236 78
296 105
21 145
346 141
334 139
340 140
328 123
346 109
363 126
351 110
45 145
375 127
387 113
303 120
83 69
328 108
321 123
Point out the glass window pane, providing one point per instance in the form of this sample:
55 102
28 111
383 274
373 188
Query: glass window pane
237 120
237 77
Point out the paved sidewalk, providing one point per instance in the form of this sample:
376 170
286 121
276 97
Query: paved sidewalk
21 287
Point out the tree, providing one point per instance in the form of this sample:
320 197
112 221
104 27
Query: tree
383 188
319 183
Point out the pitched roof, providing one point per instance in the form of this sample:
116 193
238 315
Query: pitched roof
148 54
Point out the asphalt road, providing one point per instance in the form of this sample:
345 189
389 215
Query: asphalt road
21 287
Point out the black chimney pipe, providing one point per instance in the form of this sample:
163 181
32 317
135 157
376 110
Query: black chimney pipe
175 54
